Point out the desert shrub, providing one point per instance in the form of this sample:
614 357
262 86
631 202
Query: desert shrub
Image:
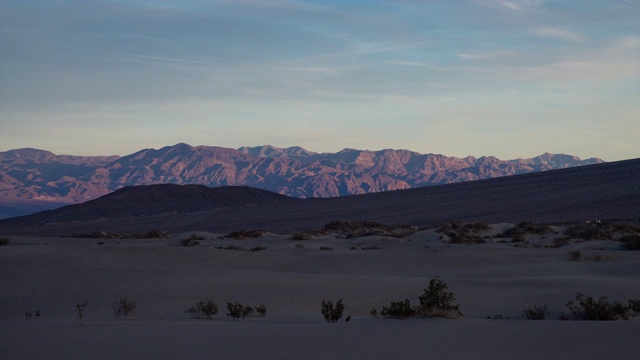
398 310
154 234
476 227
437 301
261 309
205 308
4 241
371 247
247 311
536 312
355 229
233 247
123 308
326 248
574 255
630 242
353 248
526 227
257 249
243 234
497 317
464 238
588 232
235 310
587 308
239 311
299 246
332 312
561 241
301 236
80 310
190 241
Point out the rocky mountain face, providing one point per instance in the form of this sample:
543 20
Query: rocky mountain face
30 175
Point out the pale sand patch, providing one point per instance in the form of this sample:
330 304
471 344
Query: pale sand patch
165 279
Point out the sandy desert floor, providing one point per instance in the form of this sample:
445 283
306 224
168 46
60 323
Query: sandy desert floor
51 275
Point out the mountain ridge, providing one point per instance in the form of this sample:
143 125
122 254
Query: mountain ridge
28 175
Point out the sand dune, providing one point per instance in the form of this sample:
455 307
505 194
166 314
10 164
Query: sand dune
164 278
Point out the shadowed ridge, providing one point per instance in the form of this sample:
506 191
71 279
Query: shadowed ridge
156 199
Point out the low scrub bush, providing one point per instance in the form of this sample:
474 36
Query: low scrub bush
4 241
190 241
587 308
257 249
589 232
576 255
497 317
261 309
80 310
238 311
536 313
630 242
154 234
356 229
526 227
398 310
332 312
326 248
476 227
436 301
301 236
244 234
123 308
205 308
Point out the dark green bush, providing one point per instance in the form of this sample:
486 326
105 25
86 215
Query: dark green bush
437 301
398 310
243 234
574 255
190 241
536 312
630 242
332 313
205 308
123 308
301 236
80 310
261 309
587 308
235 310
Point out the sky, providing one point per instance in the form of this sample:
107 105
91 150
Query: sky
507 78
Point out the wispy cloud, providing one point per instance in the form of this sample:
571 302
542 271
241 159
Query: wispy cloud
558 34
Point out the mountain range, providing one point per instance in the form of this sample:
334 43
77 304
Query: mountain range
609 191
33 180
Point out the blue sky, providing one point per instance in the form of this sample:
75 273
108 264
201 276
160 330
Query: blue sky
509 78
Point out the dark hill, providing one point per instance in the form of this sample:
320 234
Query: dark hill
604 191
149 200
